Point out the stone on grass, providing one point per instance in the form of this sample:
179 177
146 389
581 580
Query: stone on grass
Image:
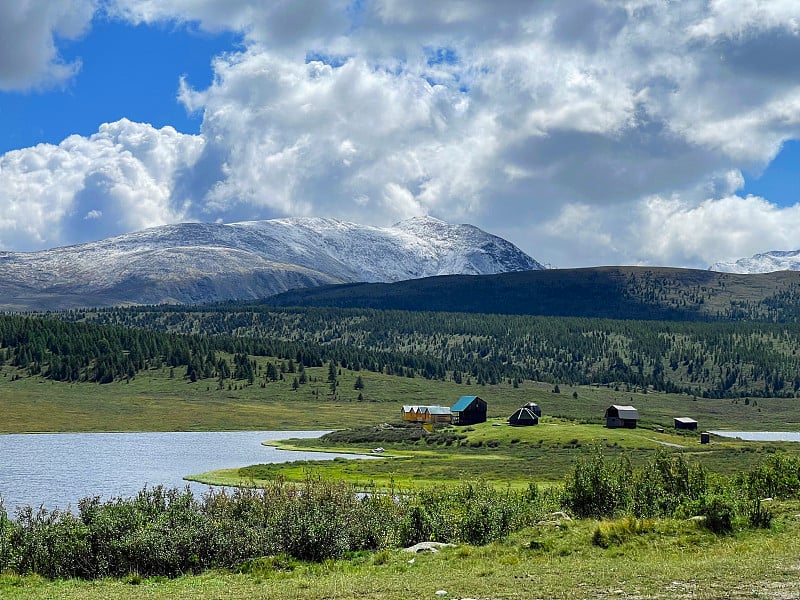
427 547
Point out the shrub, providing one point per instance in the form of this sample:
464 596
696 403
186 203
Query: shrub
6 529
666 483
718 512
778 476
758 515
596 489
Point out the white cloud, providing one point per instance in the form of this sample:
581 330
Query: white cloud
724 228
121 179
587 132
28 53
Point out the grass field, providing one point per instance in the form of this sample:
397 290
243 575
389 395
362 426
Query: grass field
663 559
153 401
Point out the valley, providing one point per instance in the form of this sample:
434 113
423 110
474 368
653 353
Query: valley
245 366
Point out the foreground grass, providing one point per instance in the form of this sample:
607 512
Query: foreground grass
667 559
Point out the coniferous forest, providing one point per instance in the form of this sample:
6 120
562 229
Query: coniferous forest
705 359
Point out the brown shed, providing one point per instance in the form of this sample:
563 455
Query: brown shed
685 423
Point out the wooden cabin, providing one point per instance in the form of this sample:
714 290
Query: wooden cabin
685 423
621 416
425 414
410 412
468 411
435 414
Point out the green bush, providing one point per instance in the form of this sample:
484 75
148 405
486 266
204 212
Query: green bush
595 488
719 512
164 532
778 476
666 483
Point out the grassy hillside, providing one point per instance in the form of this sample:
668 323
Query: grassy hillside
652 293
711 359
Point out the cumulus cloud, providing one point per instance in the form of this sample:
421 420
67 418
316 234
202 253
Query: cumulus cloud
120 179
28 54
723 228
587 132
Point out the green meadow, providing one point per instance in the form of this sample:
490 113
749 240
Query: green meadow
163 400
496 452
154 400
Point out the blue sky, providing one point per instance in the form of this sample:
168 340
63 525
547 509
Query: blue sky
780 180
127 71
585 132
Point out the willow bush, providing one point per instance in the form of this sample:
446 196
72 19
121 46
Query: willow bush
171 532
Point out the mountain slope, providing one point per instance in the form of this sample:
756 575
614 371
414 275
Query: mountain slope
650 293
768 262
197 262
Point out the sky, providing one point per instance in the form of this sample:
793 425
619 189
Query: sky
586 132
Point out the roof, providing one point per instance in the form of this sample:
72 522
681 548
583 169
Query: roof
410 407
438 410
685 420
626 411
463 403
524 414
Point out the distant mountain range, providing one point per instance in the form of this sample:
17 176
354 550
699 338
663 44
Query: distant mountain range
200 262
768 262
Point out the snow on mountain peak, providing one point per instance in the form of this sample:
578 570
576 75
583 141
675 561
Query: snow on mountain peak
767 262
196 262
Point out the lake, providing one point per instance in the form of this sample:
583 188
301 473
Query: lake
761 436
58 469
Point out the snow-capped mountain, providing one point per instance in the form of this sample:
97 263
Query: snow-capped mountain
201 262
768 262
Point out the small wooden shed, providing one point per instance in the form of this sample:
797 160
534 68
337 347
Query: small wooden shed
618 415
468 411
685 423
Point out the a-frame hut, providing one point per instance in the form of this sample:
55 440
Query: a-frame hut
522 417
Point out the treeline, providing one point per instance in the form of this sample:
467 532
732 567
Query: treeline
79 351
709 359
84 351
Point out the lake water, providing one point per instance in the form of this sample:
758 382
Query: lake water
58 469
761 436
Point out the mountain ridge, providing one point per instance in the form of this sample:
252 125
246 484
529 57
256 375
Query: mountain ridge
205 262
625 292
764 262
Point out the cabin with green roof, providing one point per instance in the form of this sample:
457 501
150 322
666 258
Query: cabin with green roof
468 411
